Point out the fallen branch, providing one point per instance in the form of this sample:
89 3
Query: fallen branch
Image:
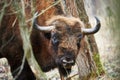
69 78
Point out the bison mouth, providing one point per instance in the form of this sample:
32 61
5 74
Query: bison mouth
65 64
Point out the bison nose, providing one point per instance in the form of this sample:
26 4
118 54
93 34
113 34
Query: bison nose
68 60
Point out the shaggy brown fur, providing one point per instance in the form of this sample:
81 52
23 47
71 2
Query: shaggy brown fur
68 20
47 54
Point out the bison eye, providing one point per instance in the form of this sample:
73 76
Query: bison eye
80 36
55 42
55 39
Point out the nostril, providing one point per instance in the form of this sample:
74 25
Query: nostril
68 58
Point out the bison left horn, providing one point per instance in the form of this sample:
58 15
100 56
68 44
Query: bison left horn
41 28
92 30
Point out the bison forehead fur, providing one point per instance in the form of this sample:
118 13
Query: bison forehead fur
66 33
71 21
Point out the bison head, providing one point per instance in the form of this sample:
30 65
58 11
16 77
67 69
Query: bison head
66 34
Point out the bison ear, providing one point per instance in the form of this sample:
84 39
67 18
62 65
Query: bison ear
47 35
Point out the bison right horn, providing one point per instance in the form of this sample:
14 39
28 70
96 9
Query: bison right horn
92 30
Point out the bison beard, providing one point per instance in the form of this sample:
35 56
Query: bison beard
64 71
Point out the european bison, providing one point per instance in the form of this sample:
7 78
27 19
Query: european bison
55 40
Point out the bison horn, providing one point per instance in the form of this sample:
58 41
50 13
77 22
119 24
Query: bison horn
42 28
92 30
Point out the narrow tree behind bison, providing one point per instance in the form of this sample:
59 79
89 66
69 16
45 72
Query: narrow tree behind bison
55 43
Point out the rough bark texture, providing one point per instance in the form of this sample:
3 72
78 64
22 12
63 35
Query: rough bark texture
86 64
84 17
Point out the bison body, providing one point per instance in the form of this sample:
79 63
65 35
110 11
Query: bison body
55 41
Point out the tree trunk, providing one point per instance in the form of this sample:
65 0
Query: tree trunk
86 64
109 35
